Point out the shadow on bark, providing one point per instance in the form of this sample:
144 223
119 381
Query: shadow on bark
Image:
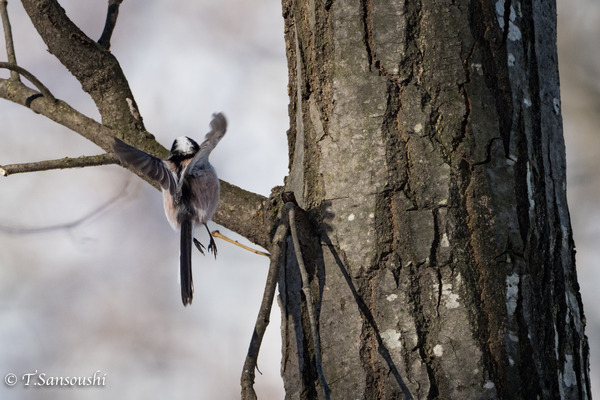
368 316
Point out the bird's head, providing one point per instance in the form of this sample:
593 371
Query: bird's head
184 147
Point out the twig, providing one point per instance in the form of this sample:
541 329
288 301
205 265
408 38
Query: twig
111 21
30 77
219 235
263 318
309 306
10 47
63 163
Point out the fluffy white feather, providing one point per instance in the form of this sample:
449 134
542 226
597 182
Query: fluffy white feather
184 145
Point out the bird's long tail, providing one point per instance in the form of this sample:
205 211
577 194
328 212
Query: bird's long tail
185 262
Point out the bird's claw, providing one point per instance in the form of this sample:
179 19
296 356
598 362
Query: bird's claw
212 246
200 246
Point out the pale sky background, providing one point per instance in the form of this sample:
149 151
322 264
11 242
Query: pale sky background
103 295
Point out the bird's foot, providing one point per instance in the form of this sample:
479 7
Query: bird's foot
212 246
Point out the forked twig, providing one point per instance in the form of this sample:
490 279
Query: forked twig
30 77
263 318
288 221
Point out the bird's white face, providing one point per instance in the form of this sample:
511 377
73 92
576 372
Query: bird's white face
184 146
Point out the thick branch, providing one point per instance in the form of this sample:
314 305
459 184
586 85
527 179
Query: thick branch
10 48
249 214
63 163
95 68
60 112
111 21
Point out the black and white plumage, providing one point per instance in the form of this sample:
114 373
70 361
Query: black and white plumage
190 189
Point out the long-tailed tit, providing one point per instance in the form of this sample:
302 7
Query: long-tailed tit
190 189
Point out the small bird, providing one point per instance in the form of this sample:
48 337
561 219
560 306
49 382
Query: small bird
190 189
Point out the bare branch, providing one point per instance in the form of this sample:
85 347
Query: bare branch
219 235
309 304
244 212
60 112
264 313
8 39
92 65
249 214
111 21
63 163
30 77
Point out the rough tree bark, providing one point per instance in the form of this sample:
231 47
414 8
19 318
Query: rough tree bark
426 150
426 147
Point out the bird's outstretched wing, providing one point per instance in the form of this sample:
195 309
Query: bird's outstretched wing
150 166
218 126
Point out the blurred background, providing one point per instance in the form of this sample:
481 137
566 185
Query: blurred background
88 262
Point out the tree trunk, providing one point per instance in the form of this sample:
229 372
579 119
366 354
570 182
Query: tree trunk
426 148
